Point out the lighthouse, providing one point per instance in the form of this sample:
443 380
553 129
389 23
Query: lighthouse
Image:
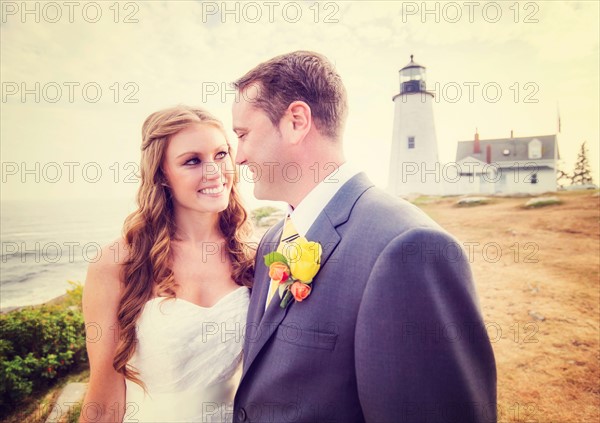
414 164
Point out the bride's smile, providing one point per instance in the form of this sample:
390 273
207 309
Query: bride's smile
199 168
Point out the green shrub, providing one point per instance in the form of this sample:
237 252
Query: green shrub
39 344
472 201
74 295
261 212
541 202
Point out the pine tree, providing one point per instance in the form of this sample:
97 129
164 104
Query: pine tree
562 177
582 175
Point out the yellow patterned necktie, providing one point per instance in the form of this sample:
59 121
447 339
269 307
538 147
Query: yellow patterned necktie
288 235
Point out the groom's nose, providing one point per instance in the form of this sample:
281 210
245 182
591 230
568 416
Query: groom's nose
240 157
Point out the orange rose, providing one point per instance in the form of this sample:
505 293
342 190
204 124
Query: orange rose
279 271
300 291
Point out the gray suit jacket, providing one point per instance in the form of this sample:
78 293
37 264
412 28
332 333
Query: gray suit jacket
391 332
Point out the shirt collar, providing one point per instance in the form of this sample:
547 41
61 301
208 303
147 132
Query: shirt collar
305 214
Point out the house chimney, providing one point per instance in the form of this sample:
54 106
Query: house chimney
488 154
476 146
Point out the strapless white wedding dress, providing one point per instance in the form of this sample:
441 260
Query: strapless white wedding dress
189 357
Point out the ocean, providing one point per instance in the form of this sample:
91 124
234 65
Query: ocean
47 243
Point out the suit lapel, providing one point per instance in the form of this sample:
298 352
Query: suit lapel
259 291
322 231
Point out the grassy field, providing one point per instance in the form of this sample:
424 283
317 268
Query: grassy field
537 276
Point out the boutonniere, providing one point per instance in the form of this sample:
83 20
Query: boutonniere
294 268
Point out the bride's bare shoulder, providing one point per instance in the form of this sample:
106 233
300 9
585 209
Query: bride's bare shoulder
104 272
113 255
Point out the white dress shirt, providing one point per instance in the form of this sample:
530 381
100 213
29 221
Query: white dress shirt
305 214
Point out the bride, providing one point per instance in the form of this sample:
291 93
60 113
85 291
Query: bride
165 306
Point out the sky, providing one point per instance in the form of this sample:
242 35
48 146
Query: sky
78 79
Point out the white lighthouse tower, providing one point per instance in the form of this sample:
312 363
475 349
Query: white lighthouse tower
414 165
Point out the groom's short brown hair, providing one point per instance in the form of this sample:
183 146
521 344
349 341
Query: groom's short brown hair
300 76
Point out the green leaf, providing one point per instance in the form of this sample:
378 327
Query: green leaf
286 299
282 287
274 257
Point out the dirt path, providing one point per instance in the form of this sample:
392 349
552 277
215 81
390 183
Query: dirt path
537 276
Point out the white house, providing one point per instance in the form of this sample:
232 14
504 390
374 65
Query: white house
504 165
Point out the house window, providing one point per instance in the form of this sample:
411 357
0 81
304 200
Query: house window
534 149
534 178
411 142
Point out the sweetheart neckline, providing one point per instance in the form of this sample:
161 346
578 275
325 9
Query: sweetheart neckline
197 305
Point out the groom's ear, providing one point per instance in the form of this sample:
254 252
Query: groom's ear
296 122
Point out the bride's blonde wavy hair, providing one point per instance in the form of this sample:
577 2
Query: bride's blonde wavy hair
149 230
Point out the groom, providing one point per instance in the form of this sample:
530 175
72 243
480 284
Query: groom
391 330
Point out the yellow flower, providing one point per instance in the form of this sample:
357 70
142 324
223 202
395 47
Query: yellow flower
304 258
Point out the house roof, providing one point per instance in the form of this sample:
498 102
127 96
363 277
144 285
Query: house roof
517 149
